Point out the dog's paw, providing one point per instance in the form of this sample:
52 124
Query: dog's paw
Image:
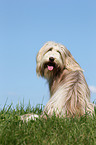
28 117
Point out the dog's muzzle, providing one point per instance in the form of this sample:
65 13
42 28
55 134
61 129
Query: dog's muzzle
51 64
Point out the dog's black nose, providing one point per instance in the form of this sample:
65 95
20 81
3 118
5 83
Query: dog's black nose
51 59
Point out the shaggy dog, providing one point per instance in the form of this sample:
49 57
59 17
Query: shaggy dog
69 92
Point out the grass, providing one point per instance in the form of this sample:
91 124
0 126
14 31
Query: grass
53 131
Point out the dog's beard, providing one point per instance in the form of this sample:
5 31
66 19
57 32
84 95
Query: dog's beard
51 70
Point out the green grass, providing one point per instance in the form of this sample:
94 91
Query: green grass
53 131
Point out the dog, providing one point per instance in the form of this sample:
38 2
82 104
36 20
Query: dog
69 92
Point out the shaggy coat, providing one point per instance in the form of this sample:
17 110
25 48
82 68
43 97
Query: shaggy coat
69 92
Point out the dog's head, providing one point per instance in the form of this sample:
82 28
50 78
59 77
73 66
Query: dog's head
52 58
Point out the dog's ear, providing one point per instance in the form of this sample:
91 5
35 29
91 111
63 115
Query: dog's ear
38 67
70 62
38 70
38 62
39 58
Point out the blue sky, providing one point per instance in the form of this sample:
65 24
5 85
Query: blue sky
25 25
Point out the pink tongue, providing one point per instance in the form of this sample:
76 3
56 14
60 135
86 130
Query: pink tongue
50 67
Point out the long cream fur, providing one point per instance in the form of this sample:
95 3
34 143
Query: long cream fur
69 92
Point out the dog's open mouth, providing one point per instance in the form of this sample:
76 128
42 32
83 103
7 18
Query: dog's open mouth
50 66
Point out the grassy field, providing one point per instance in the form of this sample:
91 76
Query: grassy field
53 131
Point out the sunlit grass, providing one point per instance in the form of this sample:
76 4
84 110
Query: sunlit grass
54 130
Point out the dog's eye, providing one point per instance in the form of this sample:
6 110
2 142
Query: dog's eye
59 52
50 49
